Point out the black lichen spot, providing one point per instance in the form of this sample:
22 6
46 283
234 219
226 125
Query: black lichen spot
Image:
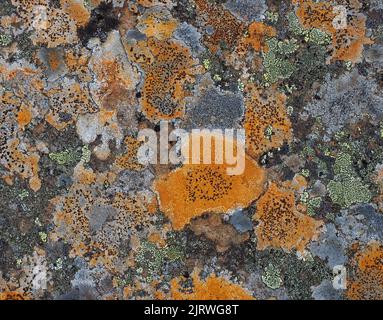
102 20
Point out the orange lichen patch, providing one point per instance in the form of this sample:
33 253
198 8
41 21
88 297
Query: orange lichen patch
157 23
13 295
16 156
267 124
168 65
298 184
67 103
129 159
24 116
257 35
84 175
316 14
367 282
281 225
9 21
212 288
193 189
228 30
76 10
77 63
54 60
15 103
127 292
52 26
223 235
348 39
116 79
96 226
348 43
95 3
157 239
19 162
116 83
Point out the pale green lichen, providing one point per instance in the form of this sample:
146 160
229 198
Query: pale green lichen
285 47
63 157
294 25
276 62
86 153
347 189
312 206
43 236
318 37
305 172
23 194
272 277
272 16
217 77
241 85
5 40
38 222
305 197
343 165
289 89
290 110
276 68
206 64
151 258
58 264
268 132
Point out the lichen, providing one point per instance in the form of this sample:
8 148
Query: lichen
347 189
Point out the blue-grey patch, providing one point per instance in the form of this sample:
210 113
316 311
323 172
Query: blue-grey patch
326 291
372 219
241 222
344 100
214 110
135 35
330 247
248 10
190 35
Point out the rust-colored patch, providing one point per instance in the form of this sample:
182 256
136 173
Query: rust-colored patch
347 41
257 35
281 225
24 116
54 60
67 103
212 288
367 282
129 160
158 24
223 235
227 29
168 66
12 295
76 10
193 189
265 111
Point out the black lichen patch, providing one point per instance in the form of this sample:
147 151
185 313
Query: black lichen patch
103 20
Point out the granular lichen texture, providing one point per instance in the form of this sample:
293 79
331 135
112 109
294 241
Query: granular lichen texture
104 194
